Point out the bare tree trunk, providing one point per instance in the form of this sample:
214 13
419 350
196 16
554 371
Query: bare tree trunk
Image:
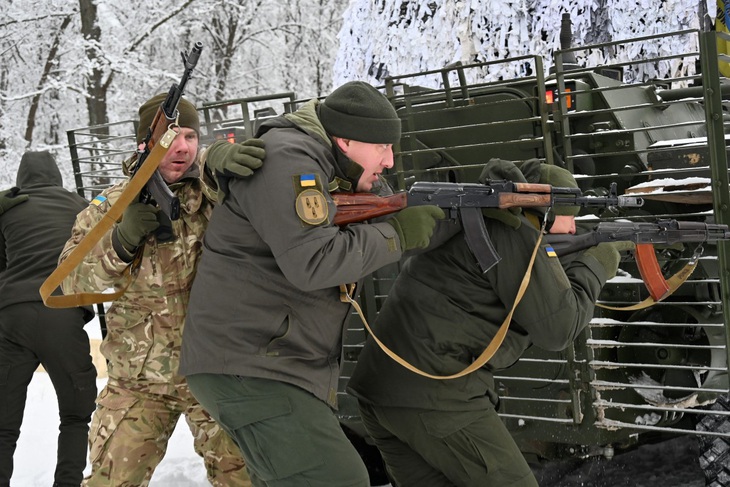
50 63
96 103
226 30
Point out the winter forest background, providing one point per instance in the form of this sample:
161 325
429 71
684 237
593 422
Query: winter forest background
66 64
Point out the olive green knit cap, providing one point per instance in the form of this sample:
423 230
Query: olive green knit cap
188 115
358 111
557 176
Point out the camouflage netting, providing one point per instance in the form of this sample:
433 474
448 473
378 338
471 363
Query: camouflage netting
424 35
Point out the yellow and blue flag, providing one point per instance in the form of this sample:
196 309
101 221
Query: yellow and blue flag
307 180
98 200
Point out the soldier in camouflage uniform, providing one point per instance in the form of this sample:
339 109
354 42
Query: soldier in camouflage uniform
138 409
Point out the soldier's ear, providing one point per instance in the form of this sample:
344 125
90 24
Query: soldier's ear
342 144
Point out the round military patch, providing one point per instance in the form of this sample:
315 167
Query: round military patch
312 207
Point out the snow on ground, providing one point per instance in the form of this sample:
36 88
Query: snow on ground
35 456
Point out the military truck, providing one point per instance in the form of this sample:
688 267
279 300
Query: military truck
634 375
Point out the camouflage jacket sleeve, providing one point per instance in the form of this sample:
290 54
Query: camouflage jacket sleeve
101 268
209 183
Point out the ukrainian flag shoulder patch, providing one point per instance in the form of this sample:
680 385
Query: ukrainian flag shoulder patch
311 204
98 200
307 180
550 251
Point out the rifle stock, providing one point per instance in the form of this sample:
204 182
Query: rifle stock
358 207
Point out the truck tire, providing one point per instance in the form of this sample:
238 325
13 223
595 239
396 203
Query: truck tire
715 450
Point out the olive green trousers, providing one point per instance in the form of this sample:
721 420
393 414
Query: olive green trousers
446 448
288 437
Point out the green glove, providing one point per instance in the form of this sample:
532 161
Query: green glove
499 170
10 198
415 225
225 160
235 160
608 254
138 221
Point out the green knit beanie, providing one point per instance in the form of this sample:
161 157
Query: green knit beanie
358 111
557 176
188 115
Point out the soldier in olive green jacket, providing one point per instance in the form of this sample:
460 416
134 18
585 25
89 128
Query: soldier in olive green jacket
263 336
441 313
145 395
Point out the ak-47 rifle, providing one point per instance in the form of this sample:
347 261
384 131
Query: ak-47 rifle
664 231
644 235
465 201
156 190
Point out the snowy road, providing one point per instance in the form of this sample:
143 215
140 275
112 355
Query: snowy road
669 464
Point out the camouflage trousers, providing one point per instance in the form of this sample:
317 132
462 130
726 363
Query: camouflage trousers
129 435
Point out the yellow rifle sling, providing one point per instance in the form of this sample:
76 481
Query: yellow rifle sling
65 268
489 351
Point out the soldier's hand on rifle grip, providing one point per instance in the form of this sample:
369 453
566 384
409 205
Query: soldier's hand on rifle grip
608 254
500 170
415 225
238 160
138 221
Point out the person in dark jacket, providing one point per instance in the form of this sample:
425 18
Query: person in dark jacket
35 221
263 335
441 314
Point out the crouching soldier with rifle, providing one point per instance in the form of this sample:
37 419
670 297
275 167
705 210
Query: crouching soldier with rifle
451 324
149 258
